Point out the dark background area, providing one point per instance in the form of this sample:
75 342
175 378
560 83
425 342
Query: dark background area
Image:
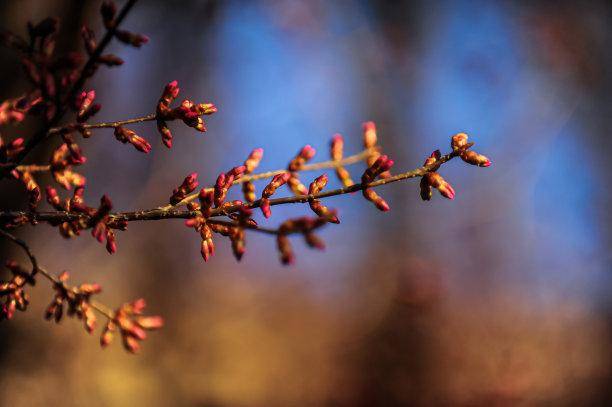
500 297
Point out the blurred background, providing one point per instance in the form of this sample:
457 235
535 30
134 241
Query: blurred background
500 297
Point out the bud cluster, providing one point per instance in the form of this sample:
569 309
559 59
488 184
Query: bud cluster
434 180
316 205
304 225
12 294
76 301
98 219
224 182
58 86
62 162
189 112
13 111
131 324
460 144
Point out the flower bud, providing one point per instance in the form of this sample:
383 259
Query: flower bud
108 334
165 133
206 198
382 164
295 185
316 205
472 157
252 162
111 244
207 247
373 197
264 205
190 183
285 250
459 141
336 147
435 180
133 39
131 344
305 155
150 323
369 135
238 244
53 199
314 241
128 136
110 60
276 182
108 11
248 190
84 102
221 188
426 192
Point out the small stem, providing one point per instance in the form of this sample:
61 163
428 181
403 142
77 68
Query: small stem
102 125
25 248
33 168
255 228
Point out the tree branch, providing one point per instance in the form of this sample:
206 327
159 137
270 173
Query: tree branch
83 76
171 212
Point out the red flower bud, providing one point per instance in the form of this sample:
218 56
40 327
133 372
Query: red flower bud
373 197
472 157
435 180
305 155
369 135
190 183
285 250
264 205
150 323
252 162
128 136
248 190
459 141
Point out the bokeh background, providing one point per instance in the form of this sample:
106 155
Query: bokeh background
500 297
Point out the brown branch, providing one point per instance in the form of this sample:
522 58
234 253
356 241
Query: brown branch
102 125
25 248
170 212
255 228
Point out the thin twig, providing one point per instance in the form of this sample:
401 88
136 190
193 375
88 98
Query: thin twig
25 248
255 228
102 125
